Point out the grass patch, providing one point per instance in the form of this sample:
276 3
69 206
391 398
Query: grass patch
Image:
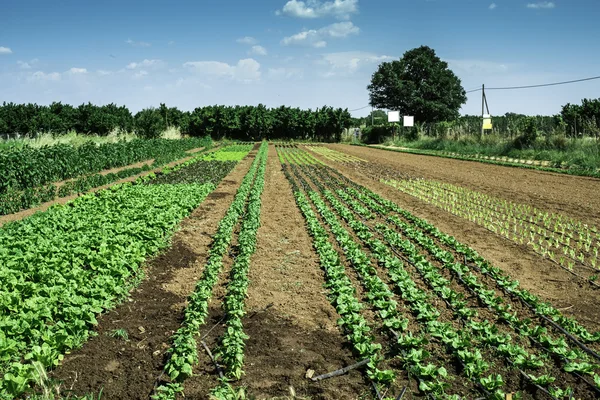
559 151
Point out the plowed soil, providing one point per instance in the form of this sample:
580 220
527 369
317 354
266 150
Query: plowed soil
574 196
129 369
290 323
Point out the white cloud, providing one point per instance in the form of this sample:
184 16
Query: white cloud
315 9
541 5
348 62
77 71
493 6
28 64
145 64
137 44
285 73
478 66
246 70
5 50
42 76
140 74
103 72
247 40
258 50
317 38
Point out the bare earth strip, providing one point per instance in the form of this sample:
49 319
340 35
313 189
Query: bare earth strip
63 200
542 277
575 196
129 369
291 324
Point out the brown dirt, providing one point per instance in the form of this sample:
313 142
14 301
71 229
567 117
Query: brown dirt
291 324
575 196
129 370
538 275
63 200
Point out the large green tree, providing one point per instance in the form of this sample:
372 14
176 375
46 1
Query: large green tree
418 84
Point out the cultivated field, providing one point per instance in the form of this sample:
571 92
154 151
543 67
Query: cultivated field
252 270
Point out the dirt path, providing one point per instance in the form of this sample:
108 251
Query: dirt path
63 200
576 196
129 369
291 324
540 276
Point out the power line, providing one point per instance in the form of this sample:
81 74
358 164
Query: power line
536 86
362 108
516 87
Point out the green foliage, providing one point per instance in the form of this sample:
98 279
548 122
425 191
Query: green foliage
76 261
375 133
529 136
149 123
29 168
184 349
258 122
418 84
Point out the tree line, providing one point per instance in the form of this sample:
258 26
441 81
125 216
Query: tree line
235 122
574 121
422 85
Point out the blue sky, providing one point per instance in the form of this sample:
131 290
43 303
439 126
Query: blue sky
298 53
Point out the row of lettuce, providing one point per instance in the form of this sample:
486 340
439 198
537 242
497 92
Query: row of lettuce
498 342
244 212
62 267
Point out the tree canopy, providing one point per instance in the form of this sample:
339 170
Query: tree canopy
419 84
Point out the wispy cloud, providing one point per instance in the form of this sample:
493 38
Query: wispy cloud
318 38
145 64
349 62
77 71
473 67
41 76
5 50
493 6
27 64
137 44
140 74
247 40
285 73
258 51
542 5
246 70
341 9
103 72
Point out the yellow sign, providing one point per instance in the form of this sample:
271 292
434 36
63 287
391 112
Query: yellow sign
487 123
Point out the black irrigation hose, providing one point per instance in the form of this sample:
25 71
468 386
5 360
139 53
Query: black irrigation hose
401 256
462 364
548 320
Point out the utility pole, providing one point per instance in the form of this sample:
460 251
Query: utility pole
482 106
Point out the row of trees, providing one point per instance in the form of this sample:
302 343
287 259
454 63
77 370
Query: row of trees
31 119
239 122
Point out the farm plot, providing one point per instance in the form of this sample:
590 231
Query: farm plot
333 155
31 176
571 244
458 325
229 359
63 267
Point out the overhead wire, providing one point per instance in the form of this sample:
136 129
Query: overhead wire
517 87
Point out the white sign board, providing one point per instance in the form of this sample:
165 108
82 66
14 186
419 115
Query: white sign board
393 116
409 121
